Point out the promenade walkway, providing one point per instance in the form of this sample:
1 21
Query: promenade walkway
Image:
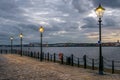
15 67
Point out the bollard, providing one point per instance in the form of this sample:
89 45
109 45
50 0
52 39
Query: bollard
92 64
78 62
6 51
112 67
45 56
34 54
62 59
42 55
84 58
28 53
48 56
1 51
72 60
23 52
51 57
54 57
38 55
31 54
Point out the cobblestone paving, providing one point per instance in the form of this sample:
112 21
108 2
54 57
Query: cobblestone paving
15 67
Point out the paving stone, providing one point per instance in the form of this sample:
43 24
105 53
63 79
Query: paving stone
15 67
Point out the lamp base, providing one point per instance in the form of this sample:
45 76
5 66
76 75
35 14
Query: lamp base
101 73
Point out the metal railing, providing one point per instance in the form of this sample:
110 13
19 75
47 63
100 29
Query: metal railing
85 61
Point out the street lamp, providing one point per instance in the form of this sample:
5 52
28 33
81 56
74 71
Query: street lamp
21 36
41 29
99 12
11 38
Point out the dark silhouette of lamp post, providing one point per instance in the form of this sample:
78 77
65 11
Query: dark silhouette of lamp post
99 11
21 36
11 38
41 35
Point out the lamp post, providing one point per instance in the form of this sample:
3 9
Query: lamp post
99 12
11 38
41 29
21 36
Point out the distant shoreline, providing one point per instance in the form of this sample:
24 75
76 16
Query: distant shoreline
66 45
58 46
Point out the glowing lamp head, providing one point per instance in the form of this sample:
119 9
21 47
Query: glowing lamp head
41 29
99 11
11 37
21 35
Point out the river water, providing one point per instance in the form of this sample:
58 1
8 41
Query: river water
109 53
112 53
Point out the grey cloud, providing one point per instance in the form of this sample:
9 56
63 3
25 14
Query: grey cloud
110 22
9 9
108 3
69 26
27 16
26 27
81 6
90 23
6 5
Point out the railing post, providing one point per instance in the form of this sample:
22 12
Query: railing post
48 56
92 64
54 57
45 56
72 60
31 54
38 56
34 54
51 57
6 51
1 51
15 51
78 62
27 53
62 59
22 53
84 58
112 67
68 60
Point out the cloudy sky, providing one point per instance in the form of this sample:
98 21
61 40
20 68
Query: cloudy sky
63 20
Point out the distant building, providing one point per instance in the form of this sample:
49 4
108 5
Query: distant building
117 43
34 44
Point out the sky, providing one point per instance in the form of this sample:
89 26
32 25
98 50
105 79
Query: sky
63 21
